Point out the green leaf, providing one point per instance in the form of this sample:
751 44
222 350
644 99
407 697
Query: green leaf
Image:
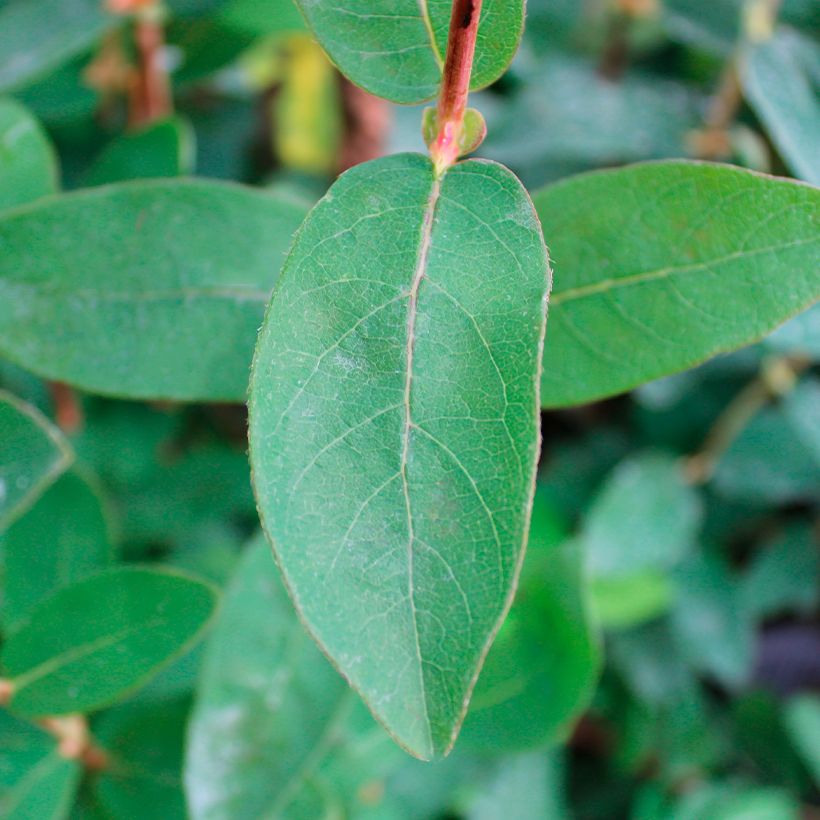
661 266
644 517
396 50
163 149
713 630
144 775
38 35
784 575
268 706
34 453
542 668
623 602
61 539
523 787
778 83
28 163
92 642
802 720
394 428
46 792
168 278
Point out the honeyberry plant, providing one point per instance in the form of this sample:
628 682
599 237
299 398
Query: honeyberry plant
409 343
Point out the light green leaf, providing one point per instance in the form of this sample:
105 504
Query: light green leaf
713 630
662 265
542 668
92 642
34 453
38 35
46 792
626 601
61 539
523 787
28 163
269 708
394 428
142 290
396 49
778 84
163 149
784 575
802 720
644 517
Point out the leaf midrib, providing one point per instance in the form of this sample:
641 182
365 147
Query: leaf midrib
412 310
605 285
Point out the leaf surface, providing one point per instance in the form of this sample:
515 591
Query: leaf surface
34 453
142 290
269 708
779 84
38 35
396 49
90 643
61 539
394 427
46 792
541 670
662 265
28 162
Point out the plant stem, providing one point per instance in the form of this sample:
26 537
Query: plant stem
151 99
455 82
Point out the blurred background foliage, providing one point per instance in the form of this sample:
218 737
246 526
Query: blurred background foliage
663 656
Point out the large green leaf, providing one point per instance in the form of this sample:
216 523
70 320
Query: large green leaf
90 643
270 708
145 289
542 668
778 82
394 427
662 265
61 539
396 50
37 35
28 163
34 453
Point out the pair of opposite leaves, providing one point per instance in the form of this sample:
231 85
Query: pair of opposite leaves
394 400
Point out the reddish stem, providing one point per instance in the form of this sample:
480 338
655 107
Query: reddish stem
152 93
455 83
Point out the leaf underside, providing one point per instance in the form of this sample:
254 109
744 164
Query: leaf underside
394 428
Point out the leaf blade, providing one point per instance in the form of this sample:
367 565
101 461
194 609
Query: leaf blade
646 291
376 333
144 271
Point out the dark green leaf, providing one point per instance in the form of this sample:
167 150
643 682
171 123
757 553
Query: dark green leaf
92 642
164 149
28 163
542 668
143 777
394 427
802 720
38 35
34 453
661 266
61 539
46 792
779 86
168 278
396 50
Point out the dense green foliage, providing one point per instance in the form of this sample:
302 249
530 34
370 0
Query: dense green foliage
651 654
